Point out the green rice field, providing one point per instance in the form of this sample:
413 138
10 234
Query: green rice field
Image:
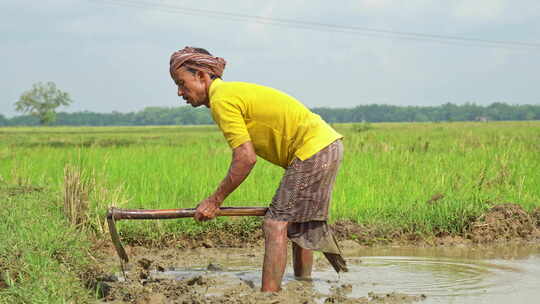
413 177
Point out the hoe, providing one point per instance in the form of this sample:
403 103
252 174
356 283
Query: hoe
116 214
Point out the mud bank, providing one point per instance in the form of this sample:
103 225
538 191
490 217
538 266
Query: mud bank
502 223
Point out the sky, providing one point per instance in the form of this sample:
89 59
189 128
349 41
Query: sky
113 55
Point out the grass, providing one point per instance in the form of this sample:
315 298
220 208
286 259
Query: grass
42 259
389 173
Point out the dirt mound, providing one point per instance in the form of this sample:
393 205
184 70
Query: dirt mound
230 235
373 234
504 222
362 234
348 229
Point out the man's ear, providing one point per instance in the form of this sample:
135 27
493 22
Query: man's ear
200 74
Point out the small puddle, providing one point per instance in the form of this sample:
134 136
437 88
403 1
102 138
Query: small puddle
493 275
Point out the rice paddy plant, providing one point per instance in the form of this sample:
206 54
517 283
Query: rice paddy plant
76 189
413 177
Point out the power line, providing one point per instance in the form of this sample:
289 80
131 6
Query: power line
317 26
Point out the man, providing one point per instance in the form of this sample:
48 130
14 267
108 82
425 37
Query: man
264 122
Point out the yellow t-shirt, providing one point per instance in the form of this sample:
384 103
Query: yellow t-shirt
278 125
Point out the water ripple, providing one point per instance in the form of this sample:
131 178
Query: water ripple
438 277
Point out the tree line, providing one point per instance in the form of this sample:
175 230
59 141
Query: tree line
39 105
186 115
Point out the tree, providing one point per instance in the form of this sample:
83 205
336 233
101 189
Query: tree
42 101
3 120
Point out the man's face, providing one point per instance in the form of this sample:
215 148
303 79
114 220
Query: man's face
191 87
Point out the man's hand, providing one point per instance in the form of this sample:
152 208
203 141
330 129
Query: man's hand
207 209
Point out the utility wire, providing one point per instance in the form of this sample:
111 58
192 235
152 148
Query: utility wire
289 23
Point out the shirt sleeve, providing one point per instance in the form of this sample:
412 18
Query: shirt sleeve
228 116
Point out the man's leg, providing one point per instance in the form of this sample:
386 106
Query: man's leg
275 254
302 261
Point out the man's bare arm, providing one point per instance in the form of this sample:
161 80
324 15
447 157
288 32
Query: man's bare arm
243 160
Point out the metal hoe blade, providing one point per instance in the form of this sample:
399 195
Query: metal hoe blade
115 237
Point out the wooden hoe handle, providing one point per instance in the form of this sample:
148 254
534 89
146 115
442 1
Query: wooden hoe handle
147 214
115 214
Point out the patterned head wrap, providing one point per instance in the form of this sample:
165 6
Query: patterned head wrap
190 58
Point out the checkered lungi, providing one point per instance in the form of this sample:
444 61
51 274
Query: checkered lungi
303 198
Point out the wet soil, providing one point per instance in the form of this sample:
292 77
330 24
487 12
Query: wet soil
219 275
213 271
505 222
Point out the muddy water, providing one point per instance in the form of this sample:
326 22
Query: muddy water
509 274
505 274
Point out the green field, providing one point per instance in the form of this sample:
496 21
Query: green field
389 171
